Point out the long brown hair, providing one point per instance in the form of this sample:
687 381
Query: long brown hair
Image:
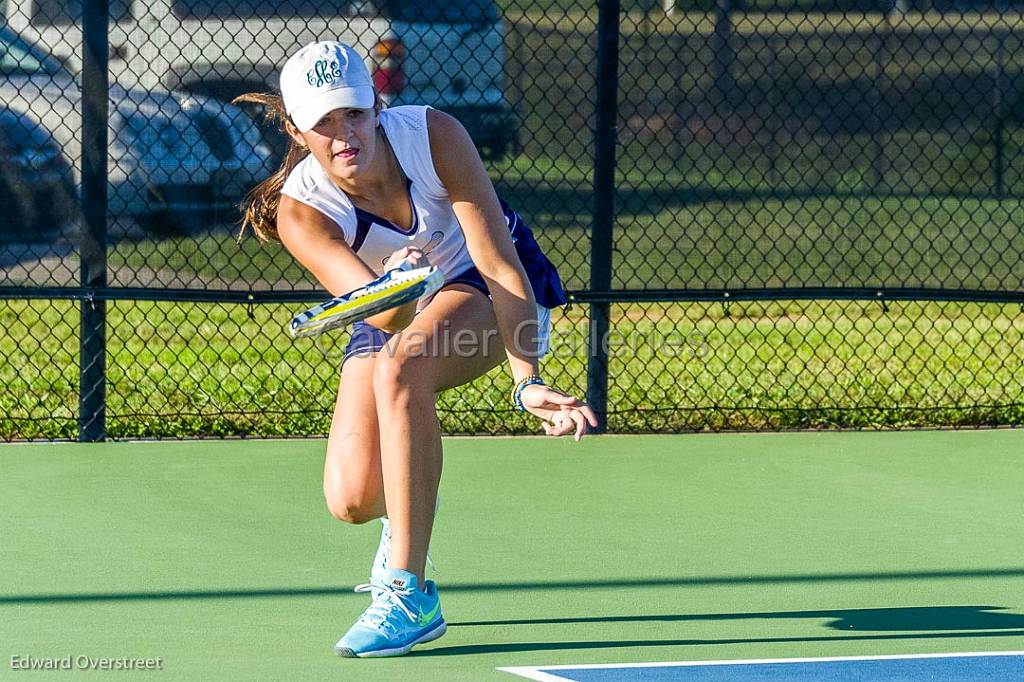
259 207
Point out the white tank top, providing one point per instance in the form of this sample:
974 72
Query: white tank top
435 229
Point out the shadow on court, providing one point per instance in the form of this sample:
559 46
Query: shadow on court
911 618
636 583
918 622
513 647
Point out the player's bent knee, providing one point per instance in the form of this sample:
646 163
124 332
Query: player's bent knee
350 503
352 487
354 515
350 509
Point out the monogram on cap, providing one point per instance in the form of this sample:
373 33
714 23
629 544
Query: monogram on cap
324 72
322 77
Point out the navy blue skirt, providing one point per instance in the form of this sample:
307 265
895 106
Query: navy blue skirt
547 285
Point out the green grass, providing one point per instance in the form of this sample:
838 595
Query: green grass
667 240
218 260
221 559
204 369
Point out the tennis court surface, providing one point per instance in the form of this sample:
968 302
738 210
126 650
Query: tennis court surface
576 561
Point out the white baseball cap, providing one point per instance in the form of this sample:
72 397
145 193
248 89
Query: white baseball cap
322 77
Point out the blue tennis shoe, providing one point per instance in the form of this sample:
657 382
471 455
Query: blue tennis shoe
400 617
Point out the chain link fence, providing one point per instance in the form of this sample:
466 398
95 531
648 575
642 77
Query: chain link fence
768 214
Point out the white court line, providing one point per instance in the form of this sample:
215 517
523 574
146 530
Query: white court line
533 674
537 672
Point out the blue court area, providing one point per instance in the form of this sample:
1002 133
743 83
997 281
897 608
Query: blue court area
982 667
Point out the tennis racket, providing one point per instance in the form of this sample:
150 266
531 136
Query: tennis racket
392 289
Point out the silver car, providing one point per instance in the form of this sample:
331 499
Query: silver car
449 54
170 154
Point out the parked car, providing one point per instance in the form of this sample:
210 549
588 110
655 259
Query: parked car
37 191
171 155
445 53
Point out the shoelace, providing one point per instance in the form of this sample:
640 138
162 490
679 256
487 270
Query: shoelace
385 598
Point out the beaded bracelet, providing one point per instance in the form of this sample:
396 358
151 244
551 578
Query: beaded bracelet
517 392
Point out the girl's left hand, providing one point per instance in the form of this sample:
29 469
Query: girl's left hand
562 414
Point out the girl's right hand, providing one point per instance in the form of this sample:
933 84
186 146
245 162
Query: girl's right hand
407 254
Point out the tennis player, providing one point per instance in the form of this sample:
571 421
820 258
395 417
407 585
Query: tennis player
362 190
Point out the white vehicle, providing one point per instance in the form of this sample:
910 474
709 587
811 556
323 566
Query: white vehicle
445 53
169 154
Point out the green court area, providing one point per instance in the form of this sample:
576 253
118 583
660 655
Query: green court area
220 559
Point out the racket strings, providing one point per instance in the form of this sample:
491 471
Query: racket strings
400 280
392 289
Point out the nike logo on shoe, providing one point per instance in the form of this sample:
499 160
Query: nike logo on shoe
425 618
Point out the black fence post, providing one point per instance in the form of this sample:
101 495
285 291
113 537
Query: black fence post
879 92
93 273
721 45
605 139
999 108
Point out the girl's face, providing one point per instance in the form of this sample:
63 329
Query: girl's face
343 141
